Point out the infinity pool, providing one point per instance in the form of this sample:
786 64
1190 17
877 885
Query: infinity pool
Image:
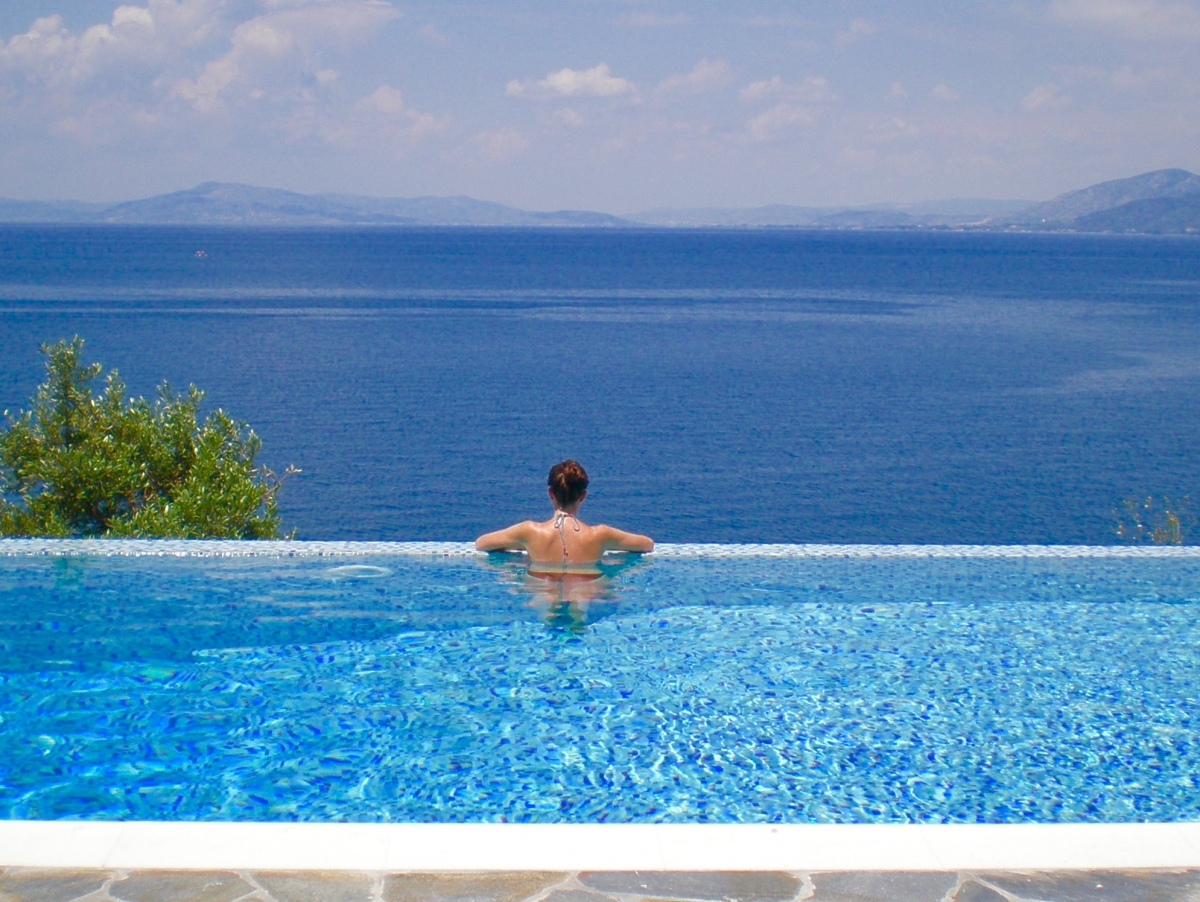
710 684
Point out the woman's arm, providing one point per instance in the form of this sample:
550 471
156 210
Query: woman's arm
619 540
511 539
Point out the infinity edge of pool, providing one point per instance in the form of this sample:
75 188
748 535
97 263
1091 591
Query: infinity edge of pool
239 548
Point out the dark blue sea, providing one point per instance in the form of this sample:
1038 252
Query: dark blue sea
721 386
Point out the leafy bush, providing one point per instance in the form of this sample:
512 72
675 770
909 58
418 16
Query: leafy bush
79 464
1158 521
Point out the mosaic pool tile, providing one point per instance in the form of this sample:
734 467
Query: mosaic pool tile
740 689
229 548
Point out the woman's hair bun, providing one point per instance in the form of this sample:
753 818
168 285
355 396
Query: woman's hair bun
567 482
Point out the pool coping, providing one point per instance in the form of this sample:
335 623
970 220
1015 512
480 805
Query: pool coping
154 845
247 548
157 845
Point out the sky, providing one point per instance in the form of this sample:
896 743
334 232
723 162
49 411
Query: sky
597 104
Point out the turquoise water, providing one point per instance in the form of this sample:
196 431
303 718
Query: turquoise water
844 688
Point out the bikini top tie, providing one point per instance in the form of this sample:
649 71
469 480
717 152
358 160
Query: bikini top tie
560 518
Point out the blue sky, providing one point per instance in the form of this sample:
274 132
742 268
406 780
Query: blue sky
605 105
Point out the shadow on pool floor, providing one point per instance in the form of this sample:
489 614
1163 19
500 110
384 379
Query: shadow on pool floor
62 885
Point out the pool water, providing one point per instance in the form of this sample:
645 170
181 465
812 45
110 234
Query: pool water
718 687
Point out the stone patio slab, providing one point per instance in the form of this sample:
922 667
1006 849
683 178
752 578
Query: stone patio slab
1101 886
176 887
750 886
502 887
317 887
883 887
38 885
114 885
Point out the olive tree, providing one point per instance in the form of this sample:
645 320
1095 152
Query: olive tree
84 464
1158 521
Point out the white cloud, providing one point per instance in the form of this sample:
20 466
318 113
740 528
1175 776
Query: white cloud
705 76
431 35
778 119
812 90
51 55
132 15
171 76
654 20
859 29
97 83
153 94
262 36
775 22
1129 79
500 144
160 41
386 99
1082 73
760 89
1162 82
1047 96
945 94
388 102
595 82
275 35
794 104
1140 19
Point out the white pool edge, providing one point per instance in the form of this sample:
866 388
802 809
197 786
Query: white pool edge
596 847
235 548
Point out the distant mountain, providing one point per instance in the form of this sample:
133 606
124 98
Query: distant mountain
965 209
449 211
951 212
219 203
1087 209
867 219
216 203
771 215
1163 202
46 211
1155 216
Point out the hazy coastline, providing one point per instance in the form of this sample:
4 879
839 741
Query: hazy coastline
1165 201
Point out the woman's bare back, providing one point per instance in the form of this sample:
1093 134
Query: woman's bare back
564 542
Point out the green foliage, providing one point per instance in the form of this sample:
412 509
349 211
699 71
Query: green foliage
1158 521
80 464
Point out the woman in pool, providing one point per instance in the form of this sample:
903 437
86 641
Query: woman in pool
564 542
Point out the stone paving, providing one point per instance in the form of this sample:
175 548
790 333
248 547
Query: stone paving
61 885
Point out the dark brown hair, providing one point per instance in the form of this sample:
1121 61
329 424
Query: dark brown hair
567 483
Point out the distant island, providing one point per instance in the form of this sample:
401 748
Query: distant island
1166 201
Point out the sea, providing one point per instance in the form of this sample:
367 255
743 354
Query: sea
733 386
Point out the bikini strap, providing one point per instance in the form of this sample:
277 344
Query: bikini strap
560 524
